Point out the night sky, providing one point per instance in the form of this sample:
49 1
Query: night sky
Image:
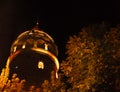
58 19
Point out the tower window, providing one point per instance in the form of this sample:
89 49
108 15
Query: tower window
40 65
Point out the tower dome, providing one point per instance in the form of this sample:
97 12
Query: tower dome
33 56
34 39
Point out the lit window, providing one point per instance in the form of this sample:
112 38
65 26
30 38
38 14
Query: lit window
23 47
14 49
40 65
46 47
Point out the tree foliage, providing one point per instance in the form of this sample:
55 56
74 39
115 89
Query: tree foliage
17 85
93 62
78 66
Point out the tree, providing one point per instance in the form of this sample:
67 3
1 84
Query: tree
17 85
78 67
110 51
93 61
55 85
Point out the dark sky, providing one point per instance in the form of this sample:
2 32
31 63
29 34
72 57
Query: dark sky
59 19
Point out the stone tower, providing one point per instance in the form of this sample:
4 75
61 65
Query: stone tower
33 56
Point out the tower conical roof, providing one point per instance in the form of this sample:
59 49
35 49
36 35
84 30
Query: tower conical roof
34 38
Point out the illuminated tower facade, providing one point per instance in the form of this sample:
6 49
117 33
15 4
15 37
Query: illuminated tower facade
33 57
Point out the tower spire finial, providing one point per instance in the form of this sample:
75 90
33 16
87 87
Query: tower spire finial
36 27
37 23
